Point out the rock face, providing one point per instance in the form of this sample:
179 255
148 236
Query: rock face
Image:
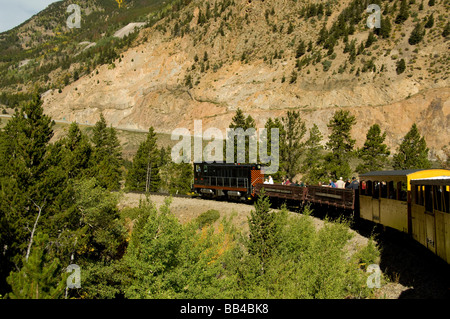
147 88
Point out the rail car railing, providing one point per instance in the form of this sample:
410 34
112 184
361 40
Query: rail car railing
237 182
281 191
337 197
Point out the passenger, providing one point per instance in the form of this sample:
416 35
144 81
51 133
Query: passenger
332 184
347 182
354 184
266 181
283 182
270 180
340 183
288 182
302 184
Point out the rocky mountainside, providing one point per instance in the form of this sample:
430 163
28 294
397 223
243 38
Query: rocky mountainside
201 60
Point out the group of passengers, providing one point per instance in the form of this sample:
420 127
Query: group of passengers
353 184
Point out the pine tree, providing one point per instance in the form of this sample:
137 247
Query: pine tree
417 34
446 31
264 232
29 181
40 277
239 121
430 22
412 152
385 28
401 66
374 153
300 50
144 174
404 12
312 165
77 152
370 39
107 155
292 148
340 144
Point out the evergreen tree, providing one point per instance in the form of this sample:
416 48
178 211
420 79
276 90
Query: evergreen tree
29 183
446 31
239 121
340 144
404 12
264 232
370 39
412 152
301 49
77 152
313 163
430 22
292 148
40 277
401 66
144 174
385 28
374 153
275 124
417 34
107 155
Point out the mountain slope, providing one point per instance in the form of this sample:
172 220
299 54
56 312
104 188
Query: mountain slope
204 59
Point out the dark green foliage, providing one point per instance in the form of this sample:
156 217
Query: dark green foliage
417 34
40 277
264 231
77 152
291 146
401 66
403 15
412 152
239 121
446 31
300 49
313 163
107 155
340 144
144 174
431 3
430 22
374 153
370 40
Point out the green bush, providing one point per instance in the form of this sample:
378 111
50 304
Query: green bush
208 218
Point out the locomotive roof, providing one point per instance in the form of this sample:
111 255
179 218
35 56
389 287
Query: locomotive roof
227 164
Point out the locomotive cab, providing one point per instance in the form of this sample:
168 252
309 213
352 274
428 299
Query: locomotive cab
228 181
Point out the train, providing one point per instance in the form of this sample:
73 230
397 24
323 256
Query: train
414 202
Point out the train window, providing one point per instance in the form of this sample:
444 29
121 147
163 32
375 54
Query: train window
437 191
403 196
392 191
205 169
418 195
362 189
428 199
376 190
369 188
384 187
446 195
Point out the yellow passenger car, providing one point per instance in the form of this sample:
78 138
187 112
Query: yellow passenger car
430 214
385 196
